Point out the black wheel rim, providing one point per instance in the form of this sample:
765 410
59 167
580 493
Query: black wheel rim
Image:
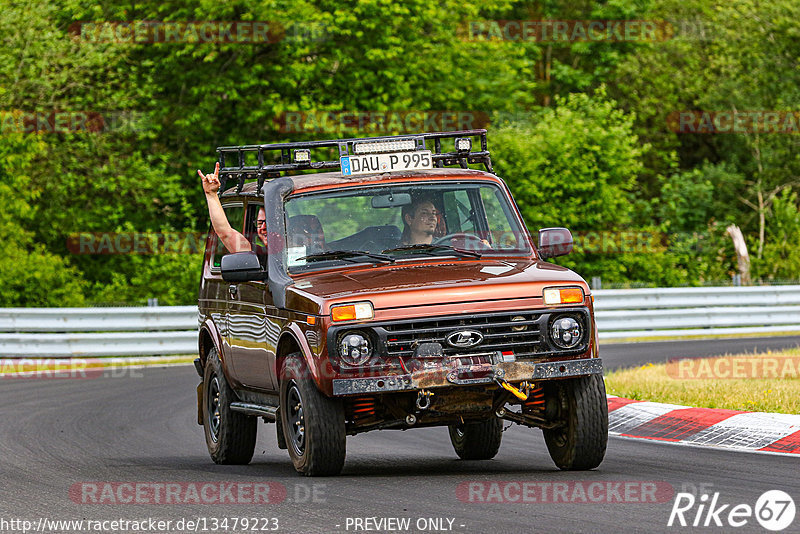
297 428
213 408
560 439
459 431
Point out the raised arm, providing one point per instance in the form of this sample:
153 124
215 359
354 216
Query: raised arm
233 240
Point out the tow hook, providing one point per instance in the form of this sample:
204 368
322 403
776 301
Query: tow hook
424 399
518 393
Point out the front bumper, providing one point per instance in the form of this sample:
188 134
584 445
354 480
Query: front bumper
459 376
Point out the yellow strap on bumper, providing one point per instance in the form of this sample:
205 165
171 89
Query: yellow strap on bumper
517 393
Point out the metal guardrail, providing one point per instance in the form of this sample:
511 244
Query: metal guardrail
93 345
620 313
141 319
692 311
97 332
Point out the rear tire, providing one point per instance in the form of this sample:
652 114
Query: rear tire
230 436
313 424
477 441
582 406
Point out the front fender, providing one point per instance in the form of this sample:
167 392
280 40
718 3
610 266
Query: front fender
315 366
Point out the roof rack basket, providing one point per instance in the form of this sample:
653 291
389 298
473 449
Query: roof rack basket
232 159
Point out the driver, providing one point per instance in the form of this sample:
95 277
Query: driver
423 222
420 220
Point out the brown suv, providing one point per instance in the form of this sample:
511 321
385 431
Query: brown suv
391 293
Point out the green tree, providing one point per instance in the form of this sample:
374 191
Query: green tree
575 166
32 276
781 256
736 56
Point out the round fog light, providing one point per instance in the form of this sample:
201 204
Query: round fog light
520 328
566 332
354 349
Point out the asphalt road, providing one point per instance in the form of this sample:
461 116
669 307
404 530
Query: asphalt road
140 428
619 355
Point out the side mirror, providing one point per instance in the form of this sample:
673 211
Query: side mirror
242 267
553 242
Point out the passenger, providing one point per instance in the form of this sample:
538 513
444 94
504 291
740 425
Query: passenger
233 240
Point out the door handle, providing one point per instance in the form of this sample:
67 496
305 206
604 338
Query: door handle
233 290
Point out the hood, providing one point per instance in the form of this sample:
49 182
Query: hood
431 282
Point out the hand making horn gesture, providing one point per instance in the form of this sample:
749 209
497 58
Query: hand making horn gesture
211 180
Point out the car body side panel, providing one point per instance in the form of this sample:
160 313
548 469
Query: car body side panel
252 351
212 304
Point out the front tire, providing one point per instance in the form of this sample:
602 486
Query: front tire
313 424
477 441
582 406
230 436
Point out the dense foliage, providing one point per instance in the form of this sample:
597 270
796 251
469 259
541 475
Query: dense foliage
583 132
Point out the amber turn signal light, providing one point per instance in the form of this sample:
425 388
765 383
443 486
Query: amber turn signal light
352 312
563 295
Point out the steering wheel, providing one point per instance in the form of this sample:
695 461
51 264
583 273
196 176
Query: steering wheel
463 241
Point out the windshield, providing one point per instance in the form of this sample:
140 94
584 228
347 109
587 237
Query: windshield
387 223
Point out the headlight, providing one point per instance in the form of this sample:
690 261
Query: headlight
566 332
354 349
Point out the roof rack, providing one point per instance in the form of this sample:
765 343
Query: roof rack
232 159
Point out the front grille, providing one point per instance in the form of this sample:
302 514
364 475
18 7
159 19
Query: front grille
520 332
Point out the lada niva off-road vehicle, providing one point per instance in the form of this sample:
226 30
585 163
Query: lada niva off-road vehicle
399 290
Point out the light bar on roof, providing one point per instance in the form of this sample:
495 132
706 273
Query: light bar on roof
373 147
302 155
463 144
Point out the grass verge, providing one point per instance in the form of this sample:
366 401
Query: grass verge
766 382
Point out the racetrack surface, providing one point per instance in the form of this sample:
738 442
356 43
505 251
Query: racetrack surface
621 355
142 427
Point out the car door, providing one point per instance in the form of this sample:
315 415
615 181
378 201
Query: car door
216 290
252 323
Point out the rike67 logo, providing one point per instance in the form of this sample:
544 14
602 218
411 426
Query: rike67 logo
774 510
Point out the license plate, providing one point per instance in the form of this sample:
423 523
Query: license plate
374 163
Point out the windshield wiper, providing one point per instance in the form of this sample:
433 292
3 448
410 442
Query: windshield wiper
422 247
346 255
